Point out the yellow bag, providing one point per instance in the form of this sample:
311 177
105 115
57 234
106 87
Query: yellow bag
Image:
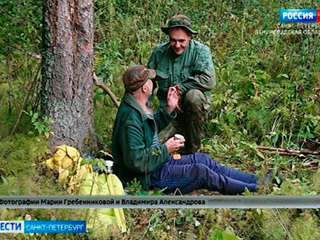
67 160
103 184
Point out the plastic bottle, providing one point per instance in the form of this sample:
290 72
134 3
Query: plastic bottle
109 165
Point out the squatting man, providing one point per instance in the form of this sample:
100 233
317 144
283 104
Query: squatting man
186 64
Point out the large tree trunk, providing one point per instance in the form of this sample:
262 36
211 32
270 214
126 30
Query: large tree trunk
67 84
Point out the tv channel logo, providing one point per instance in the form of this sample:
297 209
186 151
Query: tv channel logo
300 15
39 226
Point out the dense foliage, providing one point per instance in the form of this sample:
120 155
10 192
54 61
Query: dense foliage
267 93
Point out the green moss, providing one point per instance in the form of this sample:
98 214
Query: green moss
19 159
23 149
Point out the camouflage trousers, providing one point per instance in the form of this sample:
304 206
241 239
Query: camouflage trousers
196 108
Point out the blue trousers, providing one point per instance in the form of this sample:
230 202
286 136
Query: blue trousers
198 171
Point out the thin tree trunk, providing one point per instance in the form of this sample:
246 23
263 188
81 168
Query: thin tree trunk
67 85
9 80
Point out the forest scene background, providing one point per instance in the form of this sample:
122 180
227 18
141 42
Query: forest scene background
267 94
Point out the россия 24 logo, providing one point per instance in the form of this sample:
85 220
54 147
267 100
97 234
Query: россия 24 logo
300 15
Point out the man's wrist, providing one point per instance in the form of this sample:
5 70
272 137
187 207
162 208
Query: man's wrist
168 114
169 109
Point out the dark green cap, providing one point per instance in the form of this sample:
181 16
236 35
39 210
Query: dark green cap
136 76
179 21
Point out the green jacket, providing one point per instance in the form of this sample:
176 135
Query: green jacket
193 69
133 132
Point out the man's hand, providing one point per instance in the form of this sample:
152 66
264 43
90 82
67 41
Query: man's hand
173 144
178 108
173 99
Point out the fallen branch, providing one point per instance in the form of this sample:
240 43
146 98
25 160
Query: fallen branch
288 152
98 82
310 165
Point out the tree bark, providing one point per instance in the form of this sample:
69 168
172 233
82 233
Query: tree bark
67 72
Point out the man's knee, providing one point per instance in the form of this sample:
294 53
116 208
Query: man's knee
194 102
200 170
195 98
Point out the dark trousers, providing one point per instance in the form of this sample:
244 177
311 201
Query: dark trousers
198 171
196 108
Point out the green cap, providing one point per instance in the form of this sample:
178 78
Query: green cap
136 76
179 21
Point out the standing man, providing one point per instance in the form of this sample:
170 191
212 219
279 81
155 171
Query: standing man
138 153
187 65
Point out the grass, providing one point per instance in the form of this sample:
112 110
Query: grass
267 93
